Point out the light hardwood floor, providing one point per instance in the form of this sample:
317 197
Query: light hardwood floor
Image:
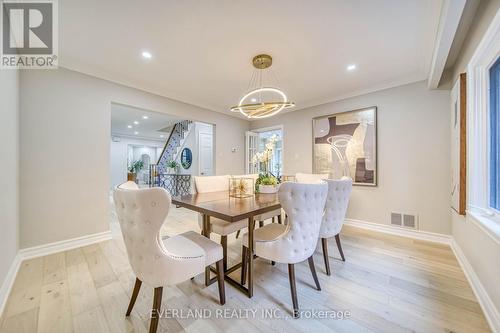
388 283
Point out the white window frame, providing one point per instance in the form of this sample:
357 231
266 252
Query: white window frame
478 133
271 128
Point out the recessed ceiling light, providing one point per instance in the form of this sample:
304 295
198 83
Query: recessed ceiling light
147 55
351 67
136 133
145 117
129 126
162 136
253 100
136 122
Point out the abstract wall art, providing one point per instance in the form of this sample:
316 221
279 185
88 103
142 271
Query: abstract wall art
345 144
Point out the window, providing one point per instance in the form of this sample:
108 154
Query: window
256 143
494 113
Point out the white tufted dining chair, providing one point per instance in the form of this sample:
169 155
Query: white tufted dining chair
207 184
296 240
156 261
310 178
337 201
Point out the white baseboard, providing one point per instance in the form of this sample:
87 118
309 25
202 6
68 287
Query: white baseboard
9 282
43 250
69 244
490 311
398 231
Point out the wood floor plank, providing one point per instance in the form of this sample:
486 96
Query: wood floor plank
99 267
25 322
54 268
25 294
114 301
82 291
55 309
91 321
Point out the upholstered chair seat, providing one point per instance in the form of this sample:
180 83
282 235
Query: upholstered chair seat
191 245
155 260
296 240
339 192
310 178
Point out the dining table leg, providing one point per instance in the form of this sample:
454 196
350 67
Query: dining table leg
206 233
250 257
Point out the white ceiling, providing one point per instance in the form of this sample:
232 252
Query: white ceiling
150 129
202 50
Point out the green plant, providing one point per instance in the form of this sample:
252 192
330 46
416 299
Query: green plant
265 179
136 166
172 164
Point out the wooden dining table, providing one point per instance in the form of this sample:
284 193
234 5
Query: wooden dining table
222 206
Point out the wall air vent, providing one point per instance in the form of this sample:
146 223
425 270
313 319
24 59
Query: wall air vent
410 221
396 219
404 220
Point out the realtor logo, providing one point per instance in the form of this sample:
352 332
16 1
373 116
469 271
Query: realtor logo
29 34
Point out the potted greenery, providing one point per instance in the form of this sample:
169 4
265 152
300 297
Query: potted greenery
133 169
267 182
173 167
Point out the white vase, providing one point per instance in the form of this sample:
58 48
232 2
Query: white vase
268 188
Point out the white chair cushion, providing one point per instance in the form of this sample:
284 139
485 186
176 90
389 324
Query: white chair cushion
221 227
191 244
209 184
310 178
267 233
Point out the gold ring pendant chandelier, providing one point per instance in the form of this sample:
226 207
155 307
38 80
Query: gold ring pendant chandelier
262 101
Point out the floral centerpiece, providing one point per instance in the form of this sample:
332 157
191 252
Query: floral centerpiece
267 182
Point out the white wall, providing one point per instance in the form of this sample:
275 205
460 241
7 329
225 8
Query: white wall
66 195
413 158
119 154
9 169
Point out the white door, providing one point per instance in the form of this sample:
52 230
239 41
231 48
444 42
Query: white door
206 154
252 147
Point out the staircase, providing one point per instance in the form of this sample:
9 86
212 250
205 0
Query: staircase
174 144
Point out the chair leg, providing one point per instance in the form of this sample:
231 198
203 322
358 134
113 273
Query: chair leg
273 263
238 234
137 287
293 289
261 224
279 219
313 272
272 220
155 313
220 281
223 242
324 245
337 239
244 264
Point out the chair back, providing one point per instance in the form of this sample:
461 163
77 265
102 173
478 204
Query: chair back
207 184
141 213
304 205
339 192
310 178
